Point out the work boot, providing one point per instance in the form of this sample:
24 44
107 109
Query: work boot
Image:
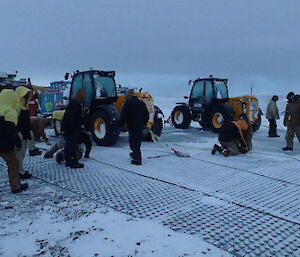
136 162
48 155
22 188
76 165
26 175
226 152
35 152
213 151
131 155
59 157
287 148
73 162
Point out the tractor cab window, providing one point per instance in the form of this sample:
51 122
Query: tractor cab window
198 90
209 93
104 86
88 88
220 89
76 84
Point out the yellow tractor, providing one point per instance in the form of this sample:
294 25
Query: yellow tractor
210 105
103 105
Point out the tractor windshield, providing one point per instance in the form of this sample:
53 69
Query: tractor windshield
104 86
221 89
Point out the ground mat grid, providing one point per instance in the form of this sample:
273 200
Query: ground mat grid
238 229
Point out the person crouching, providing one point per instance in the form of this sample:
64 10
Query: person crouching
235 137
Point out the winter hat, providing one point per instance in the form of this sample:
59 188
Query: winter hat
130 93
80 95
290 96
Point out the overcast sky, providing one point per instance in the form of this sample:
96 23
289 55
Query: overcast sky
155 43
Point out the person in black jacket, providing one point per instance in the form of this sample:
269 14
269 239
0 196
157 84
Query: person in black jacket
71 126
235 137
136 116
84 138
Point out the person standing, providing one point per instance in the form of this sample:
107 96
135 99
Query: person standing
70 127
272 115
135 114
9 138
292 120
24 129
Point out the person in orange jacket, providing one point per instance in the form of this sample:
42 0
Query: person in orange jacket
235 137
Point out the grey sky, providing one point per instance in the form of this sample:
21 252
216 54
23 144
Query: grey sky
242 40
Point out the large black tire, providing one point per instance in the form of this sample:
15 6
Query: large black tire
257 123
181 117
218 117
57 127
156 129
104 132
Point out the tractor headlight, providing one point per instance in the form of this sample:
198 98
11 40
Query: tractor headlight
244 107
253 105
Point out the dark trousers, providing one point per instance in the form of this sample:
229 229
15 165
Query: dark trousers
71 147
84 138
13 169
272 128
135 139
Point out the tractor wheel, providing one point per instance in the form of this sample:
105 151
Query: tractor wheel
218 118
103 131
181 117
257 123
57 127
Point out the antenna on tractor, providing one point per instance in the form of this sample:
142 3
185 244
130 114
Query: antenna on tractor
251 87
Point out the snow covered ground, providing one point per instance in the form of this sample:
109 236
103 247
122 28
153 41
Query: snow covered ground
246 205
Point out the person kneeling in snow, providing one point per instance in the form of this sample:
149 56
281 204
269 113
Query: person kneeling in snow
235 137
84 138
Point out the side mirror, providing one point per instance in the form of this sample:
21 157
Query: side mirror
186 97
66 98
67 76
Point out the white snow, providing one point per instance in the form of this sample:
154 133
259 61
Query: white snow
52 229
